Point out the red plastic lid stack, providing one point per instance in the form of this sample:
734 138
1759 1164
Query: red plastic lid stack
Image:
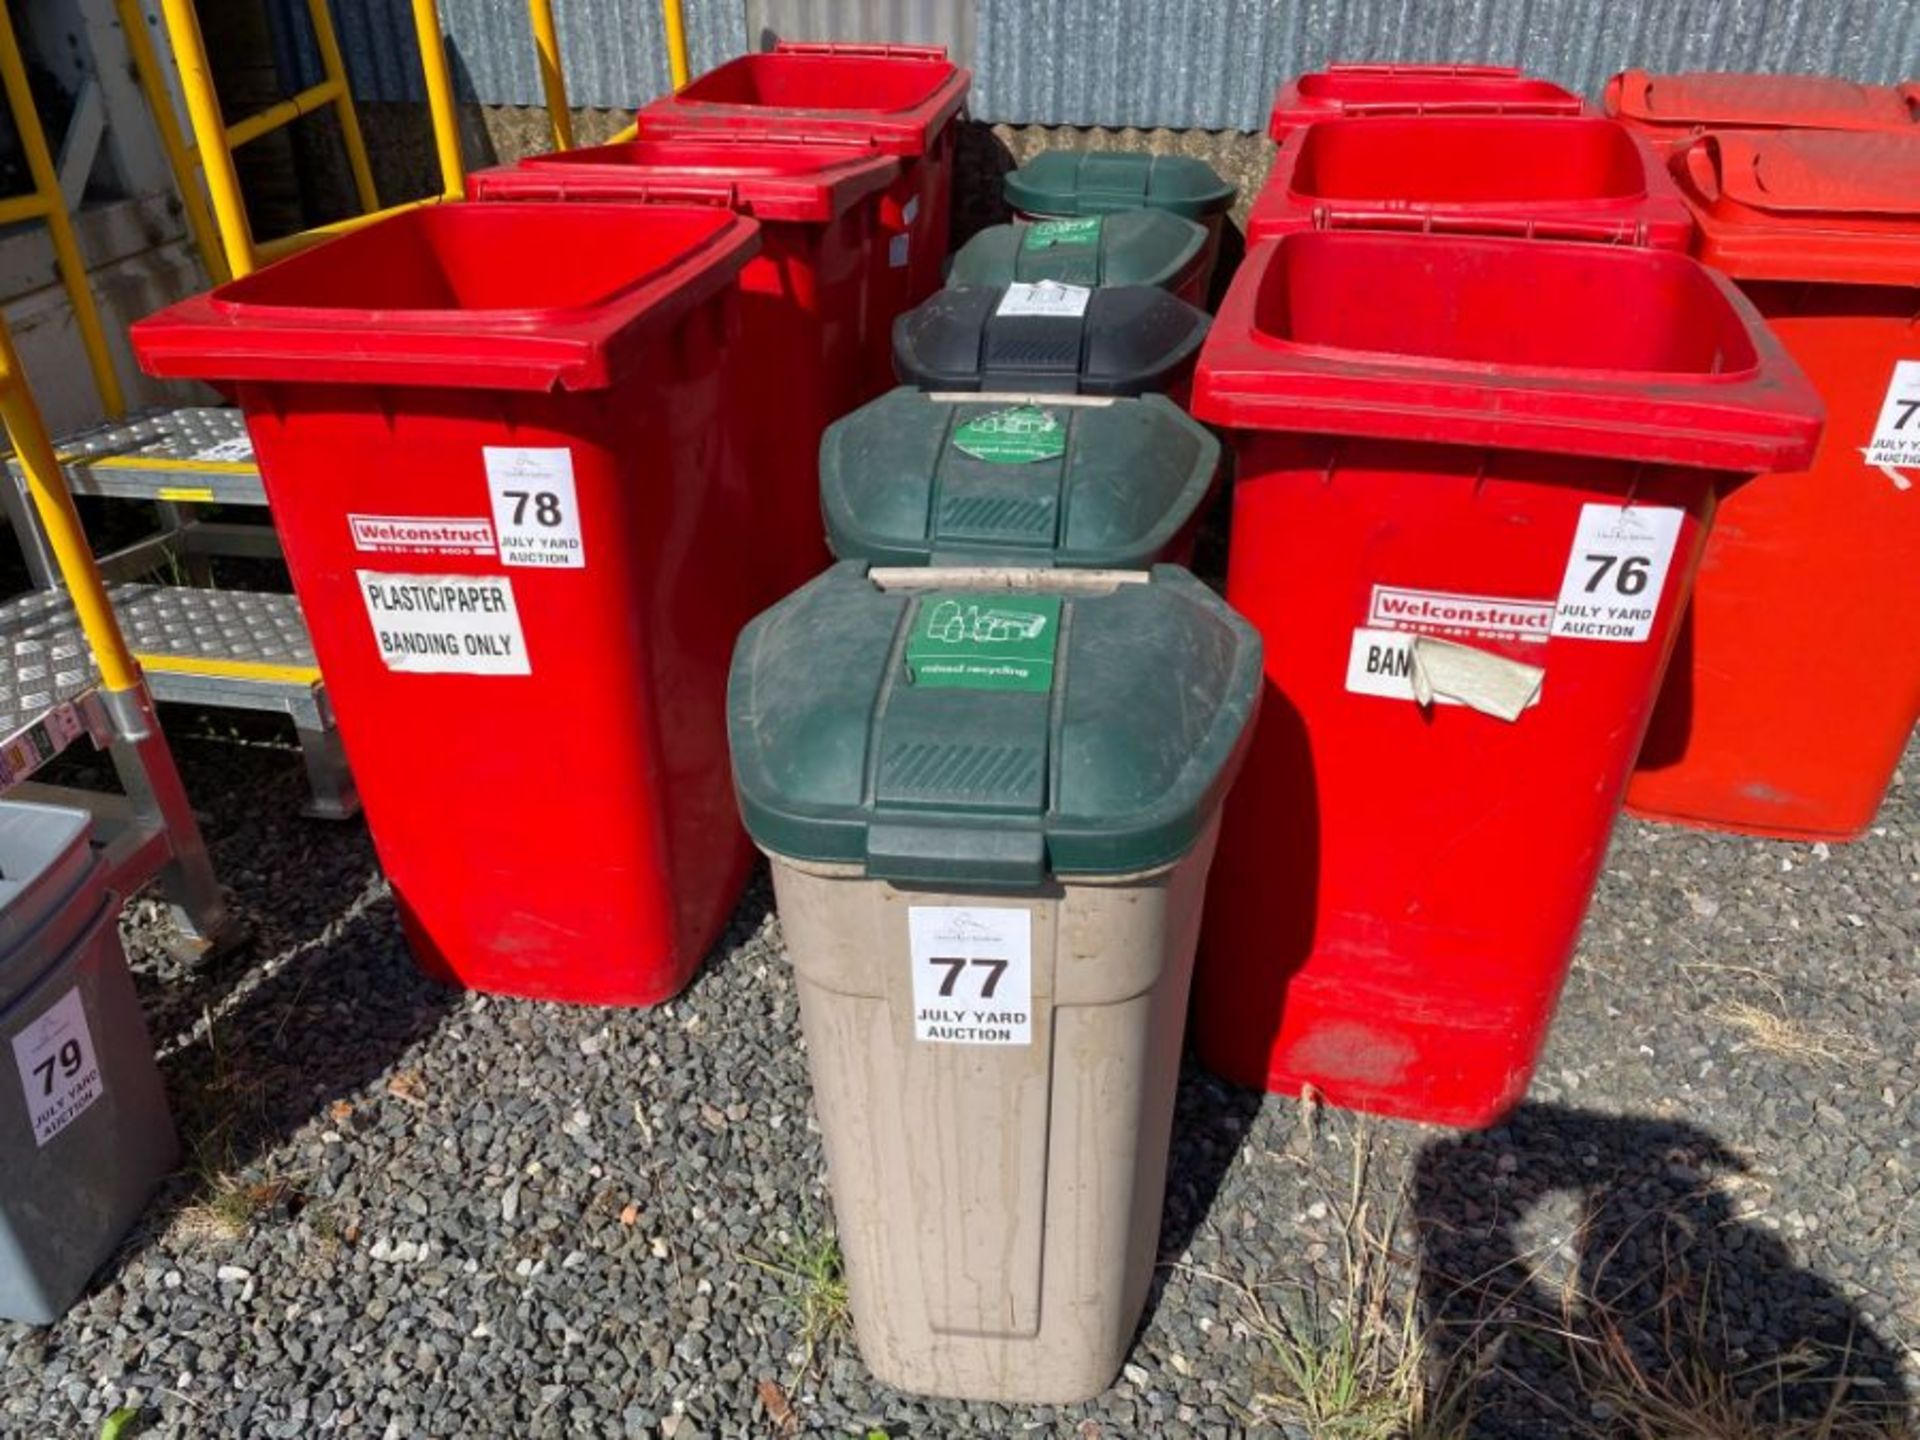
1671 109
1357 90
1568 177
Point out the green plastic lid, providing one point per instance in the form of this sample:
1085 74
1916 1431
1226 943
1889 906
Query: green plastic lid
1100 182
1135 247
912 479
990 727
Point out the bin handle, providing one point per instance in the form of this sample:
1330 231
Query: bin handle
1910 94
845 47
909 578
1702 159
1418 70
1387 217
1019 397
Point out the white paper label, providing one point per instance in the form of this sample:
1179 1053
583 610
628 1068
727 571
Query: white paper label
422 534
445 624
972 974
1616 572
58 1071
1045 297
234 451
1381 663
535 514
899 251
1445 612
910 211
1896 435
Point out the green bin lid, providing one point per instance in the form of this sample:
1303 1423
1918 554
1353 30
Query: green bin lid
1100 182
915 479
1135 247
990 727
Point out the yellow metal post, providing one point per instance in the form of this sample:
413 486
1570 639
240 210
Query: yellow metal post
28 432
180 156
335 69
553 80
676 23
446 120
210 134
66 247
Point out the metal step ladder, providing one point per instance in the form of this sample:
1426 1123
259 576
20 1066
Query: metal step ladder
235 649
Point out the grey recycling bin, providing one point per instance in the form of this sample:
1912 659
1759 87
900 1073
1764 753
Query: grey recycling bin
990 798
84 1134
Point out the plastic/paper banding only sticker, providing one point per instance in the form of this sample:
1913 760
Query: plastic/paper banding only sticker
1896 434
984 640
1616 572
535 512
1045 234
1017 435
59 1072
1045 297
445 624
972 974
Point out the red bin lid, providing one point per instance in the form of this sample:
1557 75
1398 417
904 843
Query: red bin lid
771 180
1601 350
896 98
493 297
1368 89
1712 99
1568 177
1806 204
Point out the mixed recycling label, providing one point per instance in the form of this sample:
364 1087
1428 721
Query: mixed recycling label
1017 435
59 1071
1045 297
972 974
984 641
1896 434
1047 234
1616 572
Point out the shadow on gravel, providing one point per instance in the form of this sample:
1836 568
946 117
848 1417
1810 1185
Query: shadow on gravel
1588 1274
1210 1121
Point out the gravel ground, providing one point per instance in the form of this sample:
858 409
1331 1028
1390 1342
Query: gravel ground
413 1212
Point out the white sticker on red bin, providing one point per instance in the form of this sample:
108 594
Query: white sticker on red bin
1896 434
1617 572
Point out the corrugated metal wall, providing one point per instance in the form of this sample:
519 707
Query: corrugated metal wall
1210 64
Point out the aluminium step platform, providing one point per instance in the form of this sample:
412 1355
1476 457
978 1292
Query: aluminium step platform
195 455
231 648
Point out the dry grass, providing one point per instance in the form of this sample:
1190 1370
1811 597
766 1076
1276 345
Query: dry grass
1771 1030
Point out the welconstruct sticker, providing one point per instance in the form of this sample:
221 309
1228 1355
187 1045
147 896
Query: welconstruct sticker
1046 234
984 641
422 534
1045 297
1448 612
445 624
1616 572
1017 435
1896 434
59 1073
972 974
535 513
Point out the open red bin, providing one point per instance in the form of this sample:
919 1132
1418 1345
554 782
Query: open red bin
1671 110
1358 90
1473 479
1568 177
899 99
497 441
1796 681
804 298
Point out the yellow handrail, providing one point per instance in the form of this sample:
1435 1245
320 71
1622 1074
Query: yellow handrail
47 203
119 671
553 77
180 156
215 140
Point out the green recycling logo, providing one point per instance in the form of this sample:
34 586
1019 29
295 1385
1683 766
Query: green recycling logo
970 642
1018 435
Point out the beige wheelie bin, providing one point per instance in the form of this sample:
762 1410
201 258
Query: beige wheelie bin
990 799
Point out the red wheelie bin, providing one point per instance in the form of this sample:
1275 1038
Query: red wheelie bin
804 298
1796 681
499 445
1359 90
1671 110
1473 479
902 100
